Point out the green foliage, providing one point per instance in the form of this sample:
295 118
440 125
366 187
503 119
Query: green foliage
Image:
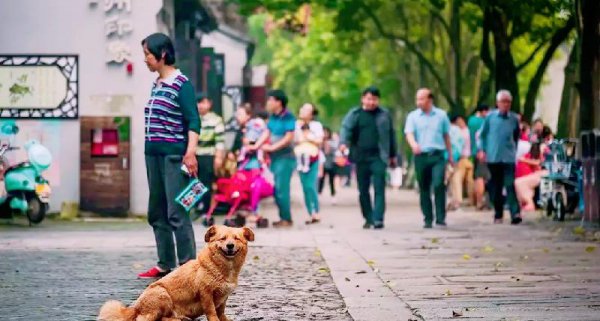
399 46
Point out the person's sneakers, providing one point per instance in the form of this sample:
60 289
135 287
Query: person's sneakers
282 223
367 225
441 224
153 273
516 220
378 226
428 225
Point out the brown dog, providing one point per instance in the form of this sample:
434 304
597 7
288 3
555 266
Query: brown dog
199 287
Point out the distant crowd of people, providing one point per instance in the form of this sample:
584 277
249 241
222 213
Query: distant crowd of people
493 152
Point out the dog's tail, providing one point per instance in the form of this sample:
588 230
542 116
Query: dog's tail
116 311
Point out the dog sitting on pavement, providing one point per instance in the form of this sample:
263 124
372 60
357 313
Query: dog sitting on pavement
199 287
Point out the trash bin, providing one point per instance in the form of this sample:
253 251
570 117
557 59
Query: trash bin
590 156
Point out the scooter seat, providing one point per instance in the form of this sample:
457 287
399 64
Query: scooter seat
17 166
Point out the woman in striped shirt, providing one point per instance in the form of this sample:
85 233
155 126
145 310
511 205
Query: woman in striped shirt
172 128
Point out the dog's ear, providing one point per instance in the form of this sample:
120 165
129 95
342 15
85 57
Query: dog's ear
210 233
248 234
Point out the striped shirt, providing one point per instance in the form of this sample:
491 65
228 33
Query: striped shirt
169 114
211 136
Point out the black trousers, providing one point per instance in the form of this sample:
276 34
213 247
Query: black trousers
167 217
206 174
330 173
503 178
367 172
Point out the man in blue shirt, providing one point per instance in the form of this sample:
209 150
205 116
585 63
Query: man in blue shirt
498 146
426 131
280 133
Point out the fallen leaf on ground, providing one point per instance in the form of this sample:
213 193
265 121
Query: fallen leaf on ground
448 293
579 230
546 250
435 240
347 279
361 272
466 257
318 253
324 270
456 314
256 258
590 249
371 262
488 249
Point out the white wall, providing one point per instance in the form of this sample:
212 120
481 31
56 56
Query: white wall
75 27
235 55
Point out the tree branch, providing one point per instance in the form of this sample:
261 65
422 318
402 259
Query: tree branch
441 20
412 48
531 56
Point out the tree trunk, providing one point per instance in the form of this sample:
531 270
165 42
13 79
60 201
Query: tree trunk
455 42
505 69
589 86
565 112
486 58
534 85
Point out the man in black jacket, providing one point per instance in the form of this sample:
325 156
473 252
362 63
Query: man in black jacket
368 131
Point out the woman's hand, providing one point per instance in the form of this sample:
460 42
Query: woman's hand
190 162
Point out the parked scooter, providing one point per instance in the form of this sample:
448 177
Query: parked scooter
23 190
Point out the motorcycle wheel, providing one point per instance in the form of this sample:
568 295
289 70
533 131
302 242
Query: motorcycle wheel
549 208
36 210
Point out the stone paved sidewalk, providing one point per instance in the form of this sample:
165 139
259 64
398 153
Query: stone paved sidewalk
276 284
473 269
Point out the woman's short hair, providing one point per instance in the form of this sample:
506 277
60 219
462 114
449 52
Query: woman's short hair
315 111
160 44
455 117
247 107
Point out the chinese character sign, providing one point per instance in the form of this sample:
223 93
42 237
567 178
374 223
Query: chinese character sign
117 26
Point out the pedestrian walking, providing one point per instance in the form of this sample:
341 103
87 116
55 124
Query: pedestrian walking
481 173
427 132
368 132
172 128
498 147
211 148
461 150
329 148
308 138
277 142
